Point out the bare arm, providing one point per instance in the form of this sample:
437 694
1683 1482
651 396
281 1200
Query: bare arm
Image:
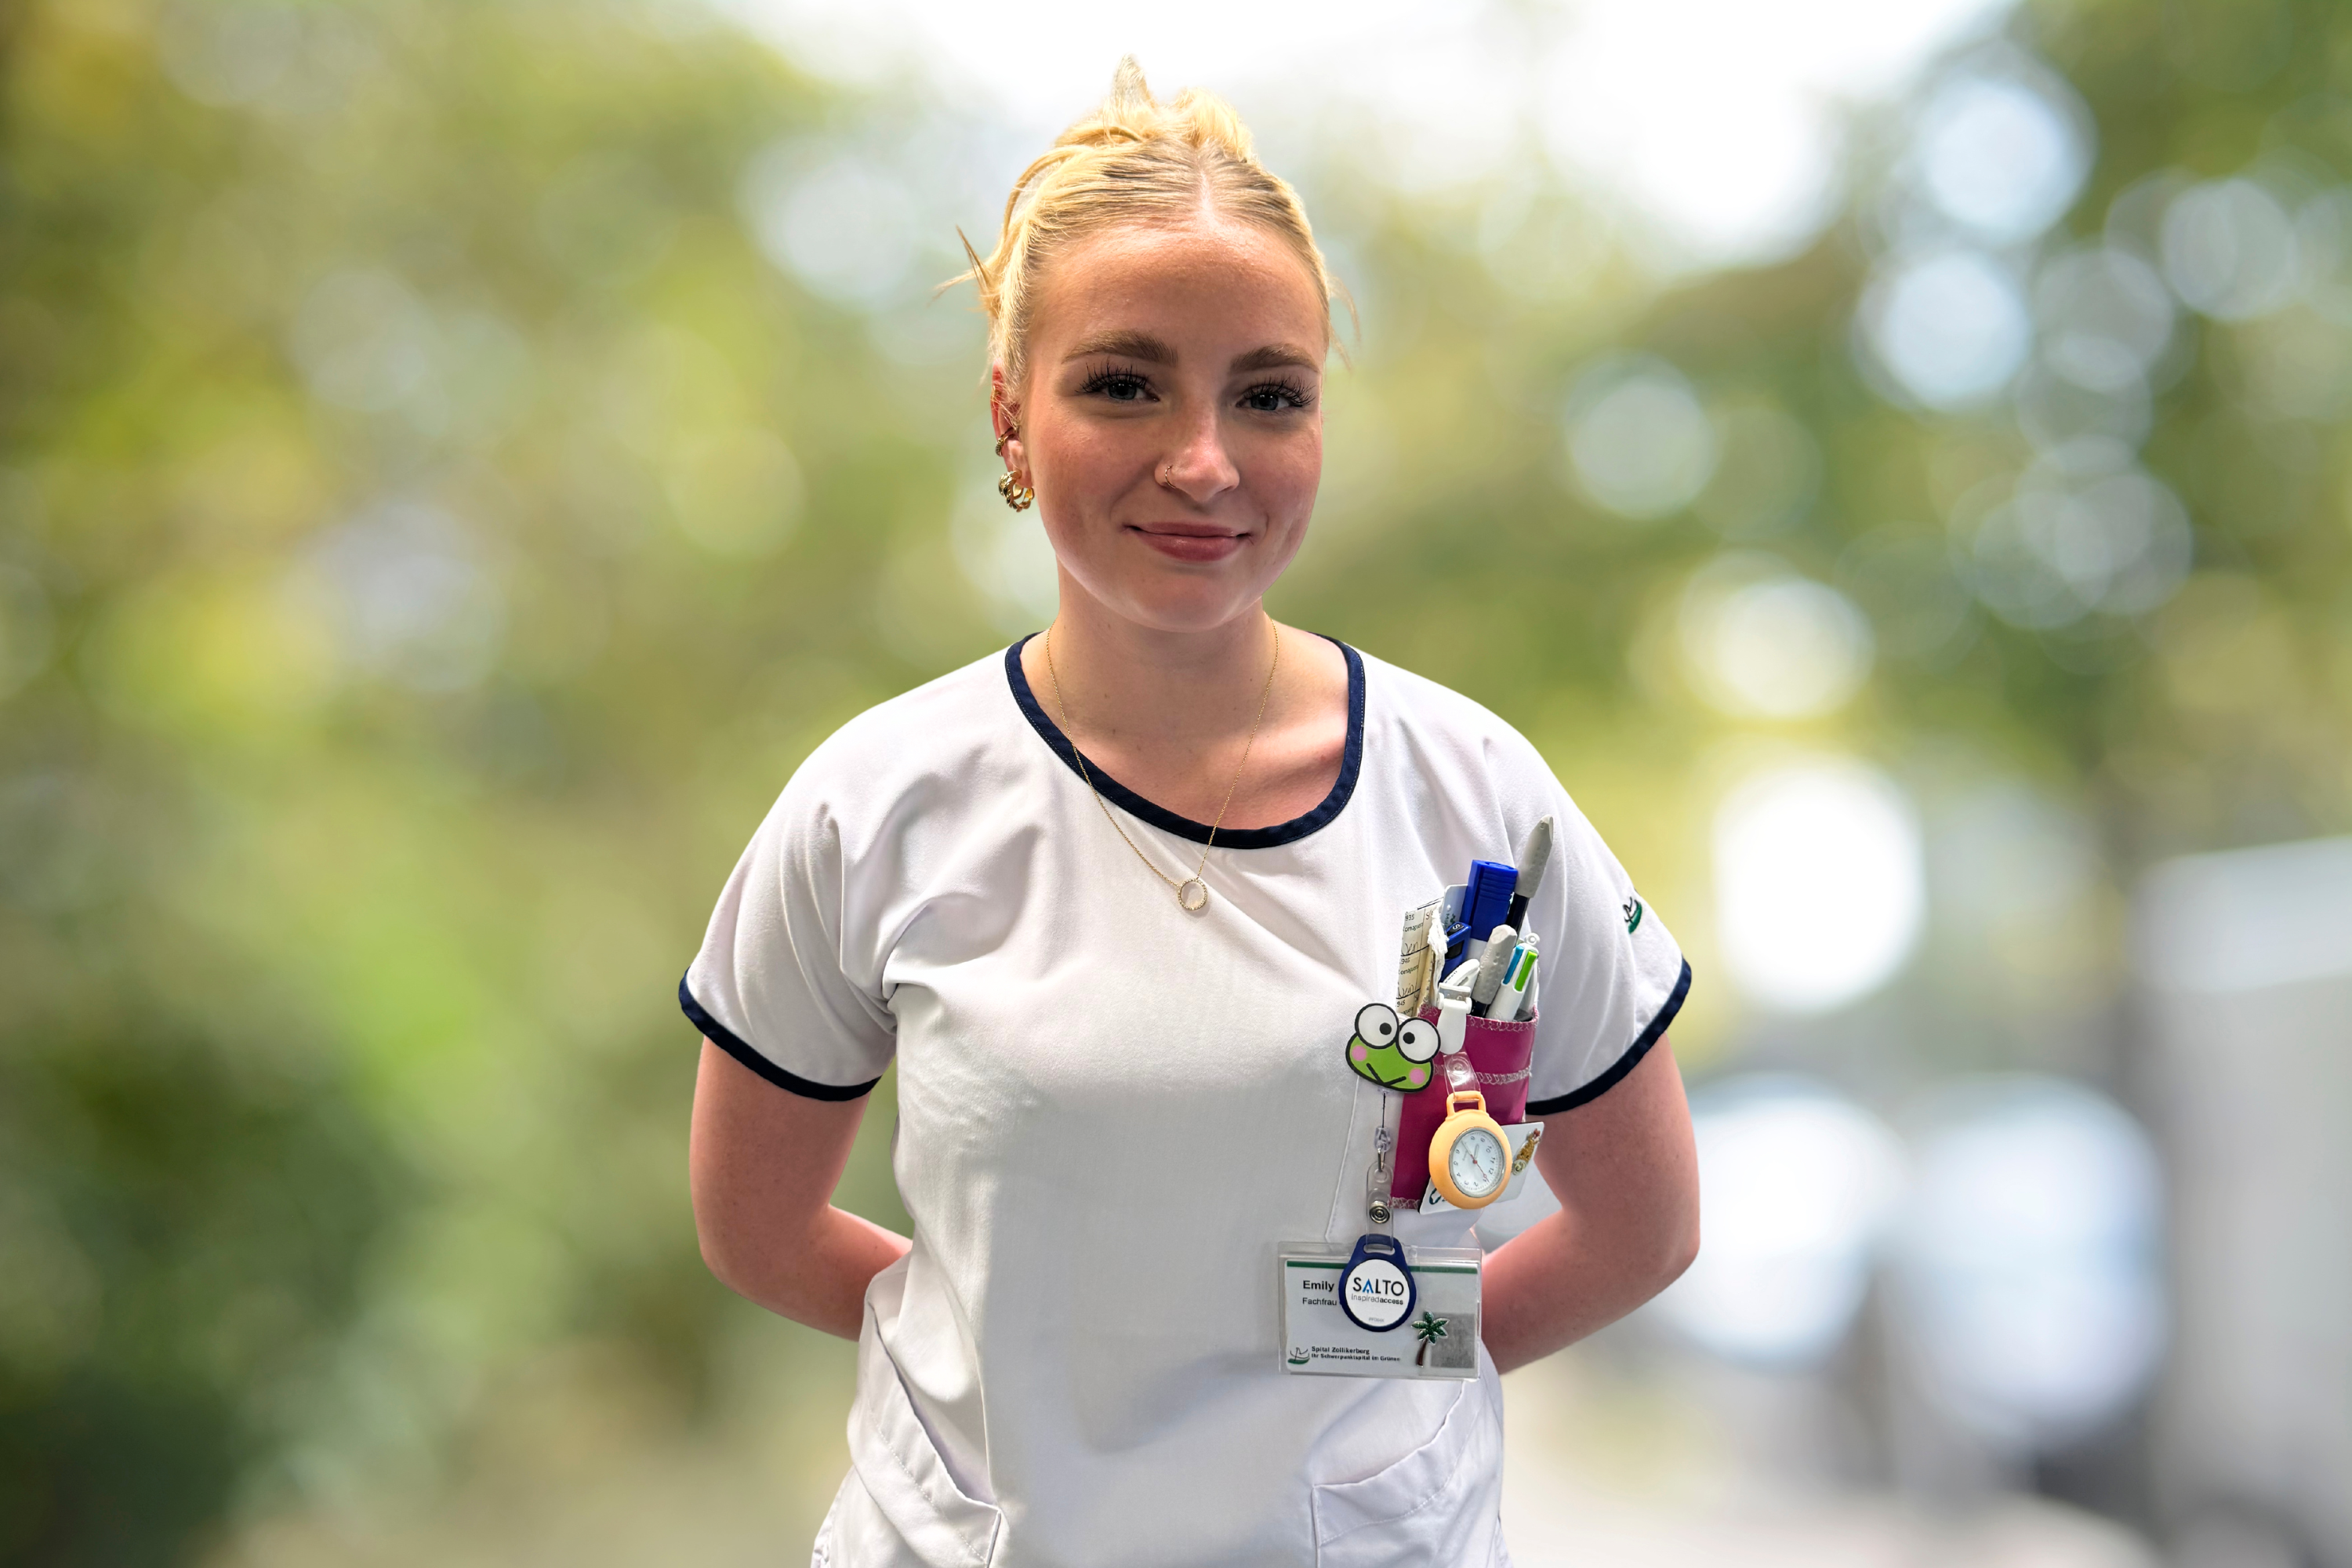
763 1162
1626 1173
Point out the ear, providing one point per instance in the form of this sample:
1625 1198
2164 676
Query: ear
1004 412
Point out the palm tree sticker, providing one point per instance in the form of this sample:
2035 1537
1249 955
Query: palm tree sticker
1428 1330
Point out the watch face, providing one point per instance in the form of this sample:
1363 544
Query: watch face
1478 1163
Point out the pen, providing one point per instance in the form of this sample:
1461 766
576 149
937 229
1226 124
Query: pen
1517 990
1534 859
1500 945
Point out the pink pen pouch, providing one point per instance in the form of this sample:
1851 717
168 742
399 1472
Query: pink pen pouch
1499 1053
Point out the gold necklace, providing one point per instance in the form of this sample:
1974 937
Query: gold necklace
1191 894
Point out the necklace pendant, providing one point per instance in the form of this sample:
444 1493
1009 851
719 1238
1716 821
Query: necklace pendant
1192 894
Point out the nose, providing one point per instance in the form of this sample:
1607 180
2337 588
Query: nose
1199 469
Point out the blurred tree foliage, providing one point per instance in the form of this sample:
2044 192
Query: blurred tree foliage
432 527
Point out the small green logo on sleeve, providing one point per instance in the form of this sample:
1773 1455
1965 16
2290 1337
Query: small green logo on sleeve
1632 915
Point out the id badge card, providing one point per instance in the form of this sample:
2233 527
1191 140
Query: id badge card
1437 1337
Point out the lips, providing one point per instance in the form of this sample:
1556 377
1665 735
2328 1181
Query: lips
1191 541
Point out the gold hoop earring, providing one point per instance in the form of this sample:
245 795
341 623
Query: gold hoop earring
1016 495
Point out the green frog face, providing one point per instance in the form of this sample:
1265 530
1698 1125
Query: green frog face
1392 1052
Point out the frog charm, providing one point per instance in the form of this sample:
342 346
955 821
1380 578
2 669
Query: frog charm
1391 1052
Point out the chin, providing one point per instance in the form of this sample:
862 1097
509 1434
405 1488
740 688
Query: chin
1184 607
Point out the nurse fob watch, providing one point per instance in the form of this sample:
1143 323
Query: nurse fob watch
1469 1161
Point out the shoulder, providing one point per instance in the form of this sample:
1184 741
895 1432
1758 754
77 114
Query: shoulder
1435 721
913 747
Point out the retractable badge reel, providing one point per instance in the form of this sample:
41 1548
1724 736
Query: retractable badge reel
1376 1286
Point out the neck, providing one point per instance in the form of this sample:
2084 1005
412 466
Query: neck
1139 684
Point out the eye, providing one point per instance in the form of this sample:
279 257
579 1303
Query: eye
1377 1023
1117 386
1417 1041
1274 396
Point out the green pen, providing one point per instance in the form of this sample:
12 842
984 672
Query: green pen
1517 980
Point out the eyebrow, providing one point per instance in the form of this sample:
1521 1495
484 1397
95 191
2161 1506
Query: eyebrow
1154 350
1272 357
1126 345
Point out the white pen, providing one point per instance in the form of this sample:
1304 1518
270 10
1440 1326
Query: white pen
1518 981
1501 943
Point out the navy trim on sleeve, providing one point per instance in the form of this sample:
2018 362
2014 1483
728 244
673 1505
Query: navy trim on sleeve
720 1034
1351 768
1624 1064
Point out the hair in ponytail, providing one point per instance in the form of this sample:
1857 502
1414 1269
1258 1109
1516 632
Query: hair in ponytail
1134 160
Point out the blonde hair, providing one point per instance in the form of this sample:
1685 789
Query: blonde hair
1134 160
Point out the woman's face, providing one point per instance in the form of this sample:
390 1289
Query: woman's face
1170 417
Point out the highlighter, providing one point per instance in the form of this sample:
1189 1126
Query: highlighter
1485 900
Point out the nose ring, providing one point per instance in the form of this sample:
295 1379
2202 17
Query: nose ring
1163 476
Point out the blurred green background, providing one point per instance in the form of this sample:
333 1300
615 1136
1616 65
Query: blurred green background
456 457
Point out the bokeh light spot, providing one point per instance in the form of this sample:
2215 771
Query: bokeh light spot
1796 1185
1639 443
1952 328
2054 552
2230 250
2106 317
2003 152
1819 883
2028 1274
1767 643
844 227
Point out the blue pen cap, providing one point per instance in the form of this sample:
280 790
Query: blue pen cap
1486 896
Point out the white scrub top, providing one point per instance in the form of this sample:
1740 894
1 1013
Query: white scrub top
1112 1113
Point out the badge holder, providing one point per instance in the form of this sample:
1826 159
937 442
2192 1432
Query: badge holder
1435 1335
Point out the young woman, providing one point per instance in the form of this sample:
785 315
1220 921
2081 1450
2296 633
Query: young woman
1114 903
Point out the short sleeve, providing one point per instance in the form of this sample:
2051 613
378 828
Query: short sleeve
1610 979
789 980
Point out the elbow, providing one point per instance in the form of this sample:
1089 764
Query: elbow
1682 1250
714 1257
1675 1246
723 1254
1678 1230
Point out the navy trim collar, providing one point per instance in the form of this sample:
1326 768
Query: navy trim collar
1134 804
